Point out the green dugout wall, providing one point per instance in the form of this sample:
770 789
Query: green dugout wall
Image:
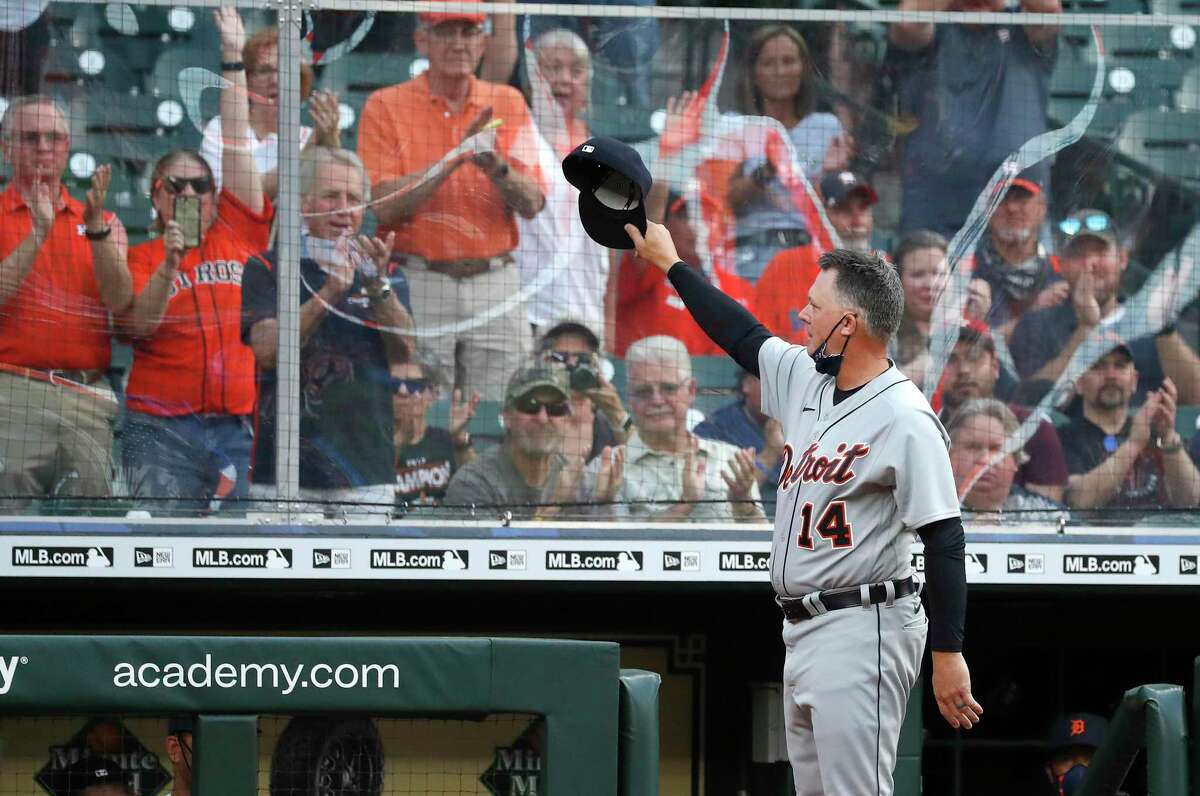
229 681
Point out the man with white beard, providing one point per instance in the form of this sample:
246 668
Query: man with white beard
1022 275
849 202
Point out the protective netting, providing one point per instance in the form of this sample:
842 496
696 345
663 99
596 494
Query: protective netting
388 306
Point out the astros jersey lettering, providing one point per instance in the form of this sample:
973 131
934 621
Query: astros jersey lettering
856 479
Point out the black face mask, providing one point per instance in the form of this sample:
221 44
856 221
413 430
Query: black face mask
830 364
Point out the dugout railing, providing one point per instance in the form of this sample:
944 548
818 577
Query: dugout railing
1153 718
601 722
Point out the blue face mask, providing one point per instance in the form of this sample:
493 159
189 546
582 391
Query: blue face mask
830 364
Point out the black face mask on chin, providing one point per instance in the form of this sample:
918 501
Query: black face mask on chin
828 364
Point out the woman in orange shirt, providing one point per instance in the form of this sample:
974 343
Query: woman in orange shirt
191 392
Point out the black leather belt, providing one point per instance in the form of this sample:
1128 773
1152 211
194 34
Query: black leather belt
775 237
797 610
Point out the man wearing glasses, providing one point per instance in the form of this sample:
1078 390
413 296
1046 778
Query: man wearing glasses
527 474
62 276
1092 261
453 159
670 473
352 328
598 419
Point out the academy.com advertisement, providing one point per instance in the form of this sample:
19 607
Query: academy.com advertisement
283 677
228 673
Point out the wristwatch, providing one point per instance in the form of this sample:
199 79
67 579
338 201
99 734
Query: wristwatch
463 442
99 234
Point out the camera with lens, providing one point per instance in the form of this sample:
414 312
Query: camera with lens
582 374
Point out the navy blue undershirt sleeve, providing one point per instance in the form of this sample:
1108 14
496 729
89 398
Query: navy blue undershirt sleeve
945 582
729 324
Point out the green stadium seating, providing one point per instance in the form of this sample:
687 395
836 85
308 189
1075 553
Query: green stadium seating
1188 96
1186 419
362 73
1191 7
1104 6
1165 142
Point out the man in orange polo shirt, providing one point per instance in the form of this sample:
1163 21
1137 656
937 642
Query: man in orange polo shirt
62 272
454 217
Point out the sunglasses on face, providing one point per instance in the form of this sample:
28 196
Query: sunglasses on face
176 185
644 392
1093 223
409 386
529 405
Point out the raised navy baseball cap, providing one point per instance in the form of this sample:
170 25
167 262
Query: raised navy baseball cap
613 183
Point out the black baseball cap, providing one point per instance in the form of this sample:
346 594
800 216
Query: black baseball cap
1076 729
613 183
839 186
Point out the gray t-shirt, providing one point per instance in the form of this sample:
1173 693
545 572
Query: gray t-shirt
857 478
979 93
491 481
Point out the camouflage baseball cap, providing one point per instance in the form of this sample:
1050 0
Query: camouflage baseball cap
548 383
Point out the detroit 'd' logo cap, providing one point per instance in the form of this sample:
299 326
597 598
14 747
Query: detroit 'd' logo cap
613 183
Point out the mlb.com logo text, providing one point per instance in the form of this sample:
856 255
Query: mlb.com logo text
420 559
91 557
745 561
1110 565
242 558
596 560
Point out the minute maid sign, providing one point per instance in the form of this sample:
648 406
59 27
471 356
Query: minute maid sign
516 770
101 746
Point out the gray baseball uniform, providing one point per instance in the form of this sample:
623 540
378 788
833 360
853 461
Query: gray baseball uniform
858 478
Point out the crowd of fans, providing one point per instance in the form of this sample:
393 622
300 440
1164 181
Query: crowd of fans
446 296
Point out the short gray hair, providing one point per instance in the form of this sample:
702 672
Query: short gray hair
313 158
660 350
868 283
23 102
983 407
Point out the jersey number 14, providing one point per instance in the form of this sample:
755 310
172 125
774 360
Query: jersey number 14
832 526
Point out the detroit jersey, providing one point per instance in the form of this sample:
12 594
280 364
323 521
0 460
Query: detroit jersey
856 479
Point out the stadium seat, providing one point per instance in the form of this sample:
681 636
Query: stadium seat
1188 96
1186 419
1166 142
1104 6
1070 87
364 72
1177 7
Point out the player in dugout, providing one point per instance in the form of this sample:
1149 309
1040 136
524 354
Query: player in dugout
856 487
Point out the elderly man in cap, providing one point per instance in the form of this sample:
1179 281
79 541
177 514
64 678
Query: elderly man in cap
452 160
1093 259
1020 274
1122 458
849 200
529 474
1070 745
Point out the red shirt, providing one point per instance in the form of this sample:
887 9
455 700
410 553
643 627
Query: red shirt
782 292
196 361
55 320
647 304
